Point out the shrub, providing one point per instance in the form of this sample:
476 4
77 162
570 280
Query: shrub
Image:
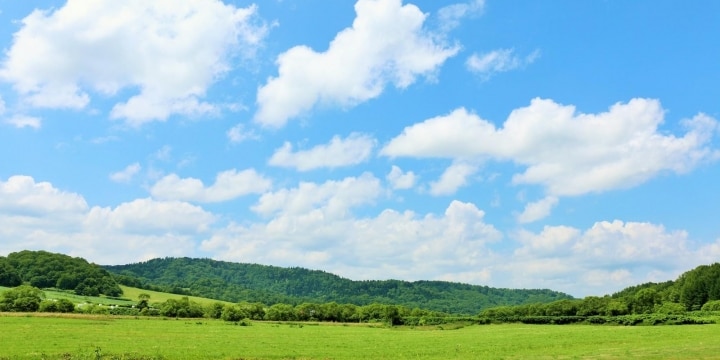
713 305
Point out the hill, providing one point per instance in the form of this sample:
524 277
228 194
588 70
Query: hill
270 285
43 269
693 289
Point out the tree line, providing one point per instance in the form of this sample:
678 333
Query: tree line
695 290
27 298
235 282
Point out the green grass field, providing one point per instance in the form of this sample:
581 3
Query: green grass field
129 293
37 336
158 297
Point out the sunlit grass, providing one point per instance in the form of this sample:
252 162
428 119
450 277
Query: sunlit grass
81 337
158 297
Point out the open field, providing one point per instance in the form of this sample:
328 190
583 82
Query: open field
129 293
158 297
36 336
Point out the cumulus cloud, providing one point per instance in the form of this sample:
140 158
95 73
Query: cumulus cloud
453 178
537 210
126 175
172 52
605 258
315 225
148 216
228 185
352 150
392 244
497 61
22 121
37 215
568 153
385 45
401 180
335 198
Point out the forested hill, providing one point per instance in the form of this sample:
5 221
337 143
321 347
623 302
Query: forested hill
693 289
43 269
270 284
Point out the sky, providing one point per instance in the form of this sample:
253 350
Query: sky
568 145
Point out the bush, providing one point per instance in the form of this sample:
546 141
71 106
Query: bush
713 305
23 298
57 306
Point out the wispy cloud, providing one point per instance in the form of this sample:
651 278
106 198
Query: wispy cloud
22 121
497 61
127 174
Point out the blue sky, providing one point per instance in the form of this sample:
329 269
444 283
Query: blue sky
564 145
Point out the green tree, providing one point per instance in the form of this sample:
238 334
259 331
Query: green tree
670 308
645 300
280 312
58 306
616 307
233 313
214 310
9 277
24 298
143 301
593 305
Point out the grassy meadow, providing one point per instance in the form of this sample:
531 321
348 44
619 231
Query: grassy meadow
43 336
129 293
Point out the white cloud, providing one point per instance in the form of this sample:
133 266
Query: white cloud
352 150
238 134
126 175
401 180
38 216
451 15
148 216
313 225
228 185
22 195
21 121
164 153
453 178
605 258
335 198
385 45
568 153
537 210
172 52
496 61
390 245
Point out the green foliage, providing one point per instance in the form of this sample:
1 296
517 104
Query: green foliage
183 308
8 275
713 305
58 306
274 285
43 269
670 308
23 298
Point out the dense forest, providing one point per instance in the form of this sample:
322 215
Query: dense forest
42 269
274 285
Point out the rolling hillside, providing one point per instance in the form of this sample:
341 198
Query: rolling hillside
269 284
